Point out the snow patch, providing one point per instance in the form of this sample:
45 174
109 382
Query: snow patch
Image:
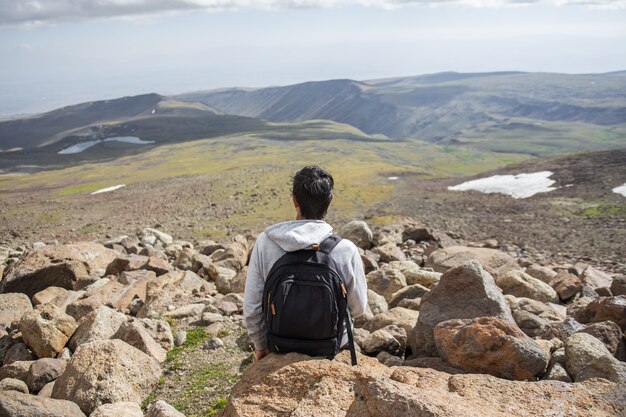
153 111
517 186
392 178
620 190
108 189
80 147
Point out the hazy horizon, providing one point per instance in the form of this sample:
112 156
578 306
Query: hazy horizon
63 52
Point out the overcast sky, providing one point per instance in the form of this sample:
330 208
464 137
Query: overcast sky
58 52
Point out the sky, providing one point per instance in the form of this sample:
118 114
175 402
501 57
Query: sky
61 52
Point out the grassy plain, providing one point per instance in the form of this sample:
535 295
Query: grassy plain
229 183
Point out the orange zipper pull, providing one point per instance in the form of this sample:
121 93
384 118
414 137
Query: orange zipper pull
343 290
273 310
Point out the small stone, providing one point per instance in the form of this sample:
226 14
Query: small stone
213 343
12 384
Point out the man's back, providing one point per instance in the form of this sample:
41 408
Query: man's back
291 236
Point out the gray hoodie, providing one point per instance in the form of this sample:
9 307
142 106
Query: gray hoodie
288 237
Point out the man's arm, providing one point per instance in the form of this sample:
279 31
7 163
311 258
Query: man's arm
253 294
357 287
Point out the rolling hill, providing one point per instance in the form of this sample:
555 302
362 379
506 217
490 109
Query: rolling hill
34 143
533 113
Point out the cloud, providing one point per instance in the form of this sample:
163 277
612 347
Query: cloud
34 12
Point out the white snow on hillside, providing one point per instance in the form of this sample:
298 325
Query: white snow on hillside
517 186
620 190
80 147
108 189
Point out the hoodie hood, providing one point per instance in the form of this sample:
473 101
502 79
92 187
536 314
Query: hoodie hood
298 234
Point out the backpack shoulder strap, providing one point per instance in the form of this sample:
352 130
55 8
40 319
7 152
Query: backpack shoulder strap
329 243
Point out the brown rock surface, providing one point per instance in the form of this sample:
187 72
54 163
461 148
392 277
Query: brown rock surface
106 371
490 345
71 267
296 385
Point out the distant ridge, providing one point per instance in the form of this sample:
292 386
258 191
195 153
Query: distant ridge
435 107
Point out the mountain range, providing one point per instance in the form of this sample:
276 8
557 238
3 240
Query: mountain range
534 114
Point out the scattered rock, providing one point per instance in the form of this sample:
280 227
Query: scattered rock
120 409
493 261
47 295
44 371
17 370
618 286
385 282
605 308
71 267
567 285
520 284
611 335
399 316
106 371
464 292
160 236
541 273
100 324
17 352
162 409
46 330
213 343
490 345
12 307
593 278
391 339
407 293
376 303
422 277
587 357
12 384
135 334
389 253
359 233
17 404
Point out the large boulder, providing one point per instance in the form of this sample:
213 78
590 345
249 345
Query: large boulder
12 306
107 371
593 278
464 292
358 232
17 404
71 267
391 339
493 261
386 282
297 385
520 284
490 345
100 324
47 329
376 303
586 357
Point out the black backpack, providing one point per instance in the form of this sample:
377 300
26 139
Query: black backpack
305 303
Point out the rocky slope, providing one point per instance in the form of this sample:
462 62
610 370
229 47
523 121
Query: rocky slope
92 328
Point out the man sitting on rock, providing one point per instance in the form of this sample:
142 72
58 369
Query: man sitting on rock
308 235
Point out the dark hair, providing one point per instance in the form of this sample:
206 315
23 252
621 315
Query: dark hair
313 190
